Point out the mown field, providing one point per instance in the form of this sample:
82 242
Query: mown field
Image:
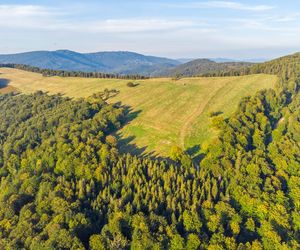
164 112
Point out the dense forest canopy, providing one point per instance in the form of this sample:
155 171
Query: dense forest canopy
199 67
64 185
286 67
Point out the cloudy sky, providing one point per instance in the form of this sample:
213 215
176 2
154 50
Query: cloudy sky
173 28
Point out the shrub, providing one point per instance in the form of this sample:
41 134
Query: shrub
214 113
132 84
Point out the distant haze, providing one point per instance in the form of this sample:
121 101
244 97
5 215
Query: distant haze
235 29
121 62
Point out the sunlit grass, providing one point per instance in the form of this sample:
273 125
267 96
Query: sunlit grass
168 111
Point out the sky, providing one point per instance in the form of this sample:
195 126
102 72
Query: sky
170 28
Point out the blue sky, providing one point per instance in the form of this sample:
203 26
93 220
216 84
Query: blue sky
177 28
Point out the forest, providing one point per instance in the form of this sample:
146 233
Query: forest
286 67
66 73
65 185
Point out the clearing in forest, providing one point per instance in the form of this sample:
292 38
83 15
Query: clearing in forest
164 112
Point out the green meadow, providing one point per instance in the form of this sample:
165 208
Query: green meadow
164 111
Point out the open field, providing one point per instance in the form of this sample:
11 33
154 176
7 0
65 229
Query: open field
166 112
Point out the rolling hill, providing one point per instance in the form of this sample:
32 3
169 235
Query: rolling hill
164 112
120 62
202 66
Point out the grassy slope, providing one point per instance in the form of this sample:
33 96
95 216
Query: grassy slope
167 112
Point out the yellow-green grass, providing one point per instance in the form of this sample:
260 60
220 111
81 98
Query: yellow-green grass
7 89
165 111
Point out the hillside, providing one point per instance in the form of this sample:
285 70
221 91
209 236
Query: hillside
202 66
286 67
65 185
102 148
107 62
165 112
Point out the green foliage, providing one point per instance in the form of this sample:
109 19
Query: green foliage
177 77
64 185
287 68
217 122
65 73
214 113
202 67
176 153
191 222
132 84
157 119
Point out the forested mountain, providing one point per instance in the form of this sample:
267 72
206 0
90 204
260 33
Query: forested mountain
202 66
64 185
58 60
286 67
106 62
120 62
205 67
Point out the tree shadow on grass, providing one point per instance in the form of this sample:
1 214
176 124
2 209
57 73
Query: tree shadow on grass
3 83
5 88
193 150
126 144
195 153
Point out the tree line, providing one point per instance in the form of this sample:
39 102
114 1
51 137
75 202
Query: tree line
65 73
286 67
65 185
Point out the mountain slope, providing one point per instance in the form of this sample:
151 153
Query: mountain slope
58 60
166 112
202 66
108 62
129 62
287 67
65 185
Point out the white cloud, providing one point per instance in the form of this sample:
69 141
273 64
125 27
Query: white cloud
23 11
41 18
223 5
237 6
26 16
273 23
287 18
32 27
131 25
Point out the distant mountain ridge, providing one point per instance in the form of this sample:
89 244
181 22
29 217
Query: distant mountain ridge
225 59
120 62
202 66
